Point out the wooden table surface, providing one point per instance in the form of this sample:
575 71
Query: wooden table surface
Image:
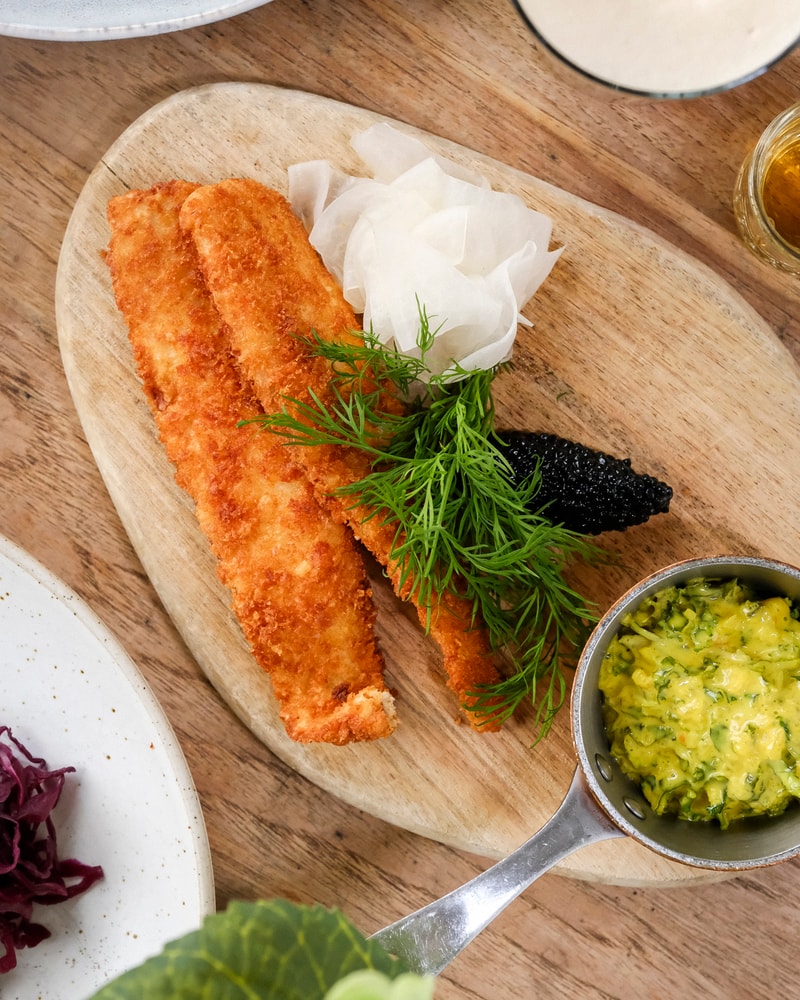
470 71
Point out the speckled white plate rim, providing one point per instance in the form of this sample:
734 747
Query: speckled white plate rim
96 20
71 694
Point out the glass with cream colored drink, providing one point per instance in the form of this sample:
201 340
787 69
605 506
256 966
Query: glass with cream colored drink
666 48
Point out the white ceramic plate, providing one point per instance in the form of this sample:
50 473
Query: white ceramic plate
94 20
70 694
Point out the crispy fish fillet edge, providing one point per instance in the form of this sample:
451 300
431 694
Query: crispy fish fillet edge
270 286
297 583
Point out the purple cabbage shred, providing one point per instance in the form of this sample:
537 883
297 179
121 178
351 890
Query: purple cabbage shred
31 871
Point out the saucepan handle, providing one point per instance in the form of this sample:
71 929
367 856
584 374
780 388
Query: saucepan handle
430 938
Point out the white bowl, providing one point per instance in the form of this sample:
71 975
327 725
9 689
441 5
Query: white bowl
666 48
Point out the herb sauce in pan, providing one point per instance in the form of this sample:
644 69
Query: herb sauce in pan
701 689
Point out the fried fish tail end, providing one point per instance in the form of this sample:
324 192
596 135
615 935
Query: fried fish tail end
298 584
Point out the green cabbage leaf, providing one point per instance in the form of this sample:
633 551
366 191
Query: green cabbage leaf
264 950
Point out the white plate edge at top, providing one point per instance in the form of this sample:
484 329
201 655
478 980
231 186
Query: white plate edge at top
117 22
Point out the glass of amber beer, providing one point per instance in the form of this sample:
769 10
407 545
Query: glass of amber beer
766 199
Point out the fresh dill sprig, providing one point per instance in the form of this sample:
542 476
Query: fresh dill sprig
439 475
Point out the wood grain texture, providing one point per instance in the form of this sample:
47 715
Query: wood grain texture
636 348
467 70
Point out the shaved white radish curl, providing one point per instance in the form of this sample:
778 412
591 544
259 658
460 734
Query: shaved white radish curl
424 231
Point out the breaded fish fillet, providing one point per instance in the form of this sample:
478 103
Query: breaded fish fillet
270 286
297 582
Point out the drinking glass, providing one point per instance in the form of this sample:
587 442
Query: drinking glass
766 199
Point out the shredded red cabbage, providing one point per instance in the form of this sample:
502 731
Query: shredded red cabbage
30 869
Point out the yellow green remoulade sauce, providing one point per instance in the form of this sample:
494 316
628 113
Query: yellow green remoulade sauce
701 689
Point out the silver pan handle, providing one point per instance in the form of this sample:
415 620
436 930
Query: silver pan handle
430 938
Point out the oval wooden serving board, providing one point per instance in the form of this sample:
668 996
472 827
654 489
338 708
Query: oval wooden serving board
636 349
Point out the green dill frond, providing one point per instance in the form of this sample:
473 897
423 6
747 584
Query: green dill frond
439 474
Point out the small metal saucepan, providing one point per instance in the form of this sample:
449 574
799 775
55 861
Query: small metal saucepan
601 802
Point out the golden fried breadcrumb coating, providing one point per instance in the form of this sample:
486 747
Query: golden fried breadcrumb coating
271 287
297 582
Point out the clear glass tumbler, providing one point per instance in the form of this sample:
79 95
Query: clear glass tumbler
766 198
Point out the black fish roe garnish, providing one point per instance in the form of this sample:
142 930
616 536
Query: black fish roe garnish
585 490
